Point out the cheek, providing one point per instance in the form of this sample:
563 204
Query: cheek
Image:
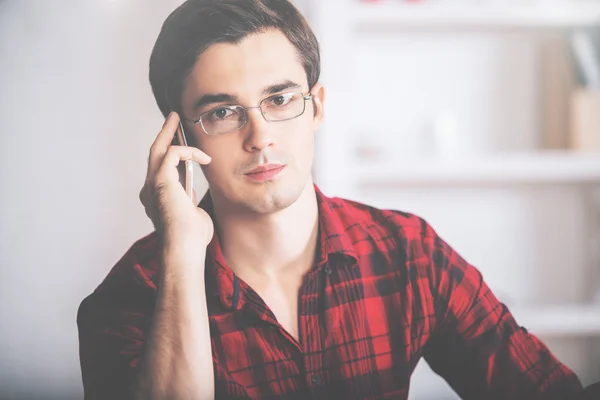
212 146
222 160
218 172
301 139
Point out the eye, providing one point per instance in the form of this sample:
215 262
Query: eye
221 113
281 99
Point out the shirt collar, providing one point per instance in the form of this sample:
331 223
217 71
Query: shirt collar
333 240
333 229
221 281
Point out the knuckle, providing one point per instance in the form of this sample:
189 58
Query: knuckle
170 153
143 193
176 151
153 150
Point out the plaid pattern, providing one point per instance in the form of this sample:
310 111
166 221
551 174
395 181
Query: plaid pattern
385 291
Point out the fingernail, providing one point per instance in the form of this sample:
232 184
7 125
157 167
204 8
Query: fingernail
206 156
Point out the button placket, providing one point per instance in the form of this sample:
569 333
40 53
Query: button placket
310 336
316 379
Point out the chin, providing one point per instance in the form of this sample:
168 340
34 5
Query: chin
241 196
274 196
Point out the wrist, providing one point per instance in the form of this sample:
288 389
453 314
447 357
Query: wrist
185 255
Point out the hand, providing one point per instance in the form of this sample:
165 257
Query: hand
163 196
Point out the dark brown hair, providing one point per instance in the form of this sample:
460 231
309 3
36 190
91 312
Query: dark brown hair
197 24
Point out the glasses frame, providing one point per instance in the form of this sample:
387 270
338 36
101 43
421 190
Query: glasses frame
305 96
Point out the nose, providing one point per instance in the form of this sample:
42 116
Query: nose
258 135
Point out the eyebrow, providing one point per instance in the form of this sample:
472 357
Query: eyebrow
280 87
211 98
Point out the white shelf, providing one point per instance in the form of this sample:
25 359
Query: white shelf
559 320
393 13
541 167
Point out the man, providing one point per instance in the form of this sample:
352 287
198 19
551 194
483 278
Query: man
270 289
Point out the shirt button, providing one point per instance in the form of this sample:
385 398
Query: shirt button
328 270
316 379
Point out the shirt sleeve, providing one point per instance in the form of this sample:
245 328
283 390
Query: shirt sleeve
477 346
112 323
110 346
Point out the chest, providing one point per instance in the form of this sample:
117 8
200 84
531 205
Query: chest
276 298
349 340
281 299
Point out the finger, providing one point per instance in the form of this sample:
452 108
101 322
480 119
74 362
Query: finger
174 156
161 143
177 154
167 133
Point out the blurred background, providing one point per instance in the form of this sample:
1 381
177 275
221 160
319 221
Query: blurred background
482 116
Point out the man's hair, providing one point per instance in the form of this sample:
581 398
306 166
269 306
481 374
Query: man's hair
197 24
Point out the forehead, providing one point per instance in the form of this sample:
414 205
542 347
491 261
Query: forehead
246 68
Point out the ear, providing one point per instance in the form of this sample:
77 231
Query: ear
318 95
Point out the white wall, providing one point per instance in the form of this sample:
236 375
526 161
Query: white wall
77 118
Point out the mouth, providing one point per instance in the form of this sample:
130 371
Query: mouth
266 172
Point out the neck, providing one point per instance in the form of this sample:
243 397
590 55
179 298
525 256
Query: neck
274 243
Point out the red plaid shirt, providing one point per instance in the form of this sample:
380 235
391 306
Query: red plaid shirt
386 291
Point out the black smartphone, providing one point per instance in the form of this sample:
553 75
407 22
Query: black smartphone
187 170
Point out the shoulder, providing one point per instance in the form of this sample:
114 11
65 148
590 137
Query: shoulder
131 282
379 223
137 267
396 240
395 243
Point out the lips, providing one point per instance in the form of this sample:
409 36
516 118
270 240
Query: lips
264 168
265 172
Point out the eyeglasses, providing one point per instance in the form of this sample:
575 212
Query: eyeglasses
276 108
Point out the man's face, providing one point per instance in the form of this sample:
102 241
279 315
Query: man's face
260 66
